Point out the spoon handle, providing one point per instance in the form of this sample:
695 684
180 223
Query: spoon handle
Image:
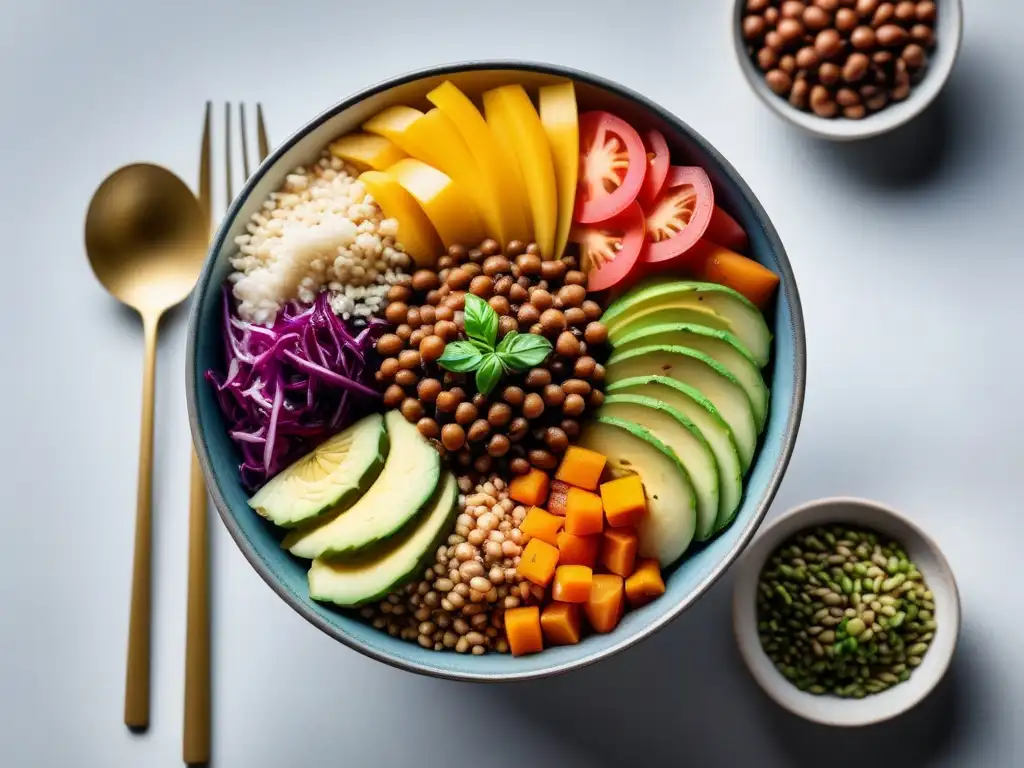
196 747
136 697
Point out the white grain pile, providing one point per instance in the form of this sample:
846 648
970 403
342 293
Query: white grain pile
322 230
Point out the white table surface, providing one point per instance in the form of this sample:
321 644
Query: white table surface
908 255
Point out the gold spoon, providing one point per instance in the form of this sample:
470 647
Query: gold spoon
146 238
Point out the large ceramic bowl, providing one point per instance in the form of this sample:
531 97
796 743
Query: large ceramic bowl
259 541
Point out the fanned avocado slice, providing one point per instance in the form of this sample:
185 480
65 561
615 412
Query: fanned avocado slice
365 581
400 493
327 480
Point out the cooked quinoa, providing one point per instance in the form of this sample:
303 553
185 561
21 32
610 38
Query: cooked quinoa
321 231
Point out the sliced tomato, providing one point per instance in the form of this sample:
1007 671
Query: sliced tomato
680 215
613 164
726 231
610 249
657 166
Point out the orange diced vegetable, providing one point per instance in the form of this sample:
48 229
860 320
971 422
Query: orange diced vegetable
572 583
583 513
605 605
531 488
645 583
522 628
618 550
538 562
578 550
541 524
581 467
624 501
557 497
560 622
717 264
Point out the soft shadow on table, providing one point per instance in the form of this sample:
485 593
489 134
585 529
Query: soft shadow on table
955 126
683 697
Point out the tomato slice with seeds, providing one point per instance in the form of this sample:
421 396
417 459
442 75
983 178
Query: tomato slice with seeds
613 164
657 166
610 249
680 215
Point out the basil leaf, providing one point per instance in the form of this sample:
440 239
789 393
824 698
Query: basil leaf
506 342
460 357
525 351
485 349
481 320
488 374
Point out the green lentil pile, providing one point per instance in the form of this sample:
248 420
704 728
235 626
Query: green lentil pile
844 611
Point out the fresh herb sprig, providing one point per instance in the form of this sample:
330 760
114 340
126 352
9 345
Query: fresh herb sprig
483 353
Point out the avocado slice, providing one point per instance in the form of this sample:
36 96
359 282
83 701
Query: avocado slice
747 321
701 372
357 583
398 495
681 435
667 529
328 479
706 418
718 345
669 314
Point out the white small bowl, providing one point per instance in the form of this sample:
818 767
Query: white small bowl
948 34
922 550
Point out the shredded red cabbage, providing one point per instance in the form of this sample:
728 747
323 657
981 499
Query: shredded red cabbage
288 387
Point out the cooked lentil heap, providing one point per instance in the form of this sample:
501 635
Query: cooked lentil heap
530 418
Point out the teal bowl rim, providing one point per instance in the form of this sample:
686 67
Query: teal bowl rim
788 439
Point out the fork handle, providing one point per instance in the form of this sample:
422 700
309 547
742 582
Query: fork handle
196 742
136 695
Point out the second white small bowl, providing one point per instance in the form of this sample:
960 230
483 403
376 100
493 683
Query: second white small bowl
922 550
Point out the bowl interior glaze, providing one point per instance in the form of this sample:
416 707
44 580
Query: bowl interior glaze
259 541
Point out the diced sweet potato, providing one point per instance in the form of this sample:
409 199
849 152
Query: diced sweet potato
572 583
558 496
618 550
605 605
541 524
578 550
624 501
645 583
538 562
560 623
581 467
583 513
522 628
531 488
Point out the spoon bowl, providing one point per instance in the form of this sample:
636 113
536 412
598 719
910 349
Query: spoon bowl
146 238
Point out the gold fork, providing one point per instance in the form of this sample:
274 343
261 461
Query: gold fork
196 739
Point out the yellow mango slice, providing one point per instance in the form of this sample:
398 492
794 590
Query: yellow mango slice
496 172
415 232
366 151
494 113
447 206
510 107
393 124
442 146
560 119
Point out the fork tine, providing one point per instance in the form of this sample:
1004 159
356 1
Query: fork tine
243 129
205 185
227 154
261 130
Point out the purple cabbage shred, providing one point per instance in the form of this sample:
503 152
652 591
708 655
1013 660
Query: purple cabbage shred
288 387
